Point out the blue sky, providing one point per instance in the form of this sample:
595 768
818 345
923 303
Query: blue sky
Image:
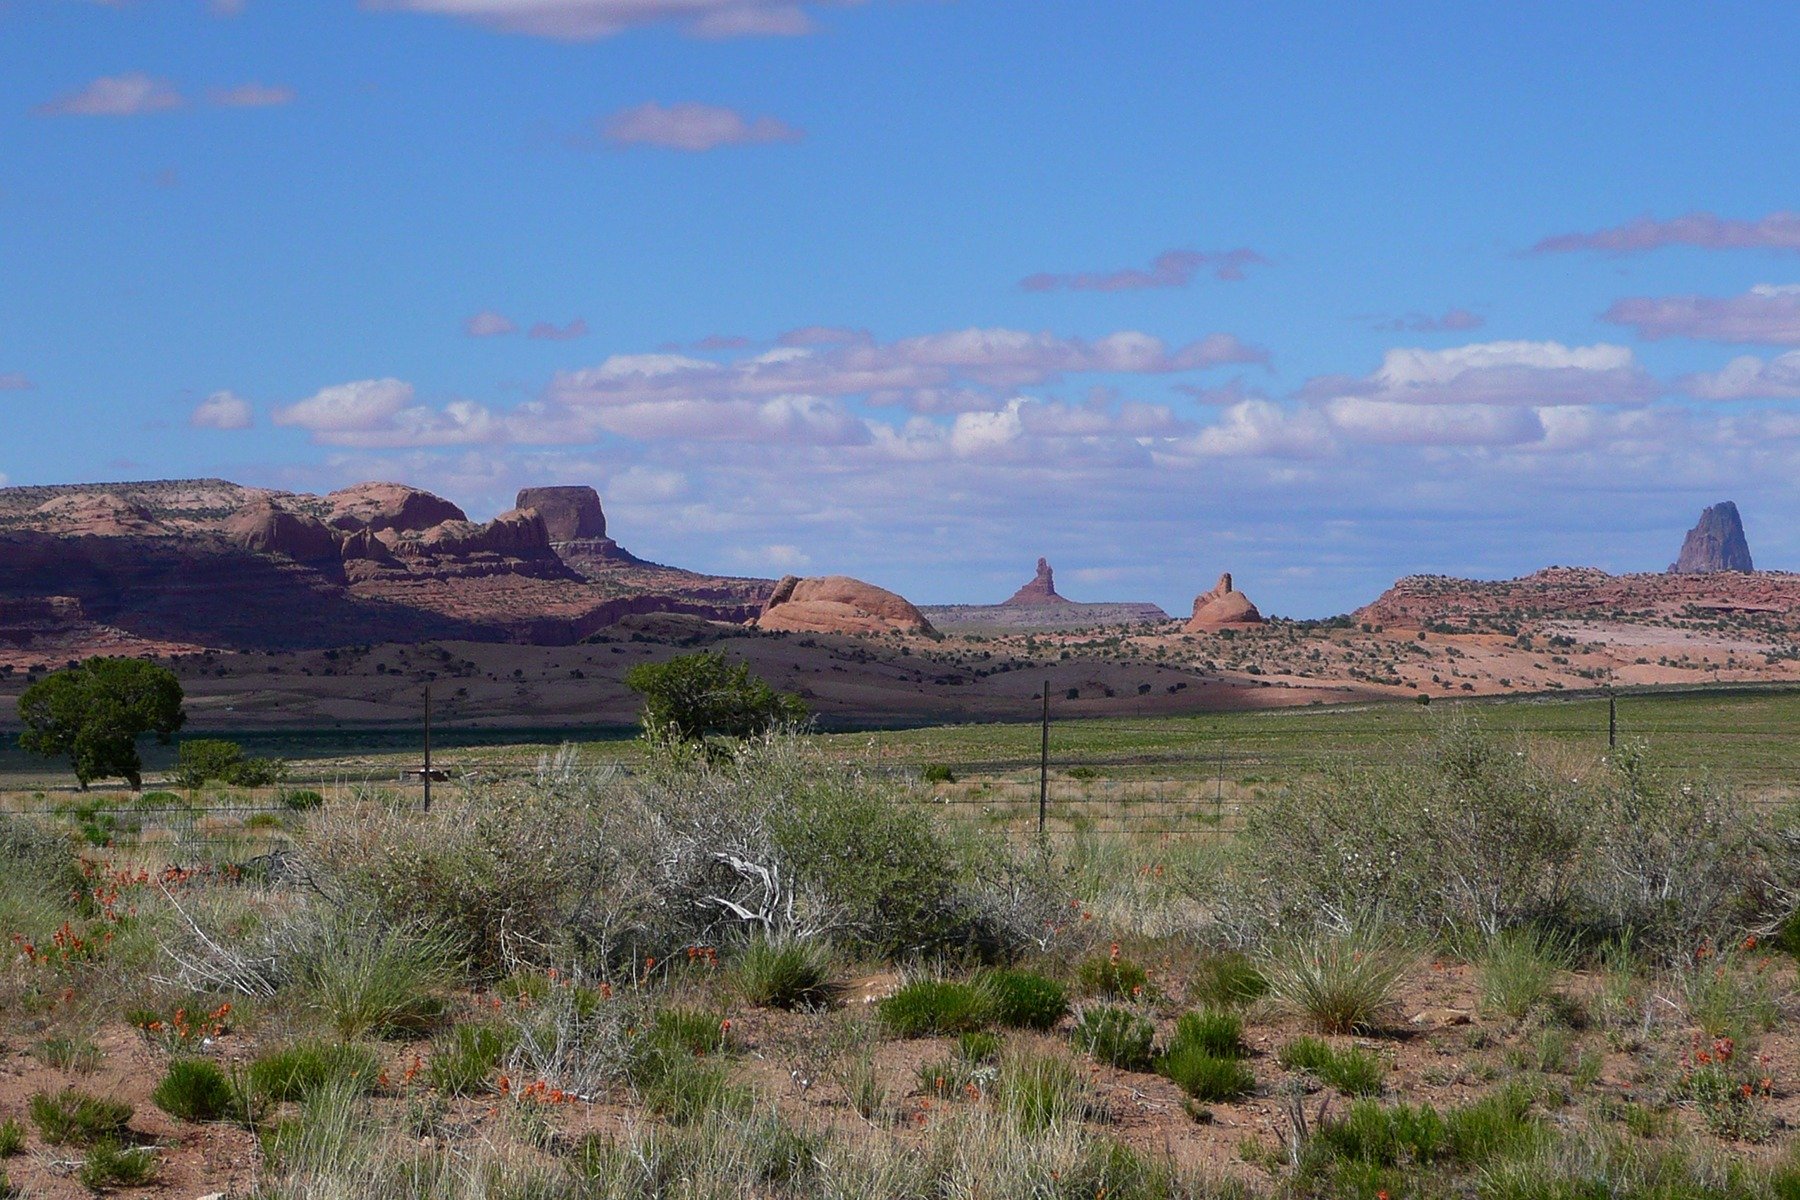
918 290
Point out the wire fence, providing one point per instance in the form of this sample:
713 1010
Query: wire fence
184 835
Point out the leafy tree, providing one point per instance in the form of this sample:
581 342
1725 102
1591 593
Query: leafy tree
95 713
693 697
200 760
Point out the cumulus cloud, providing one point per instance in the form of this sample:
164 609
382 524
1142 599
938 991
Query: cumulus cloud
544 331
15 381
115 96
251 95
1393 423
1170 269
1767 313
693 127
221 410
586 20
1258 429
1748 378
1777 231
1453 321
1502 373
488 323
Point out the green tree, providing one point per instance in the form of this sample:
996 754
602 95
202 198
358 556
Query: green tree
95 713
693 697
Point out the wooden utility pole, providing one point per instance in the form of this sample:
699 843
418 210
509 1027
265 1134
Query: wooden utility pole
426 773
1044 763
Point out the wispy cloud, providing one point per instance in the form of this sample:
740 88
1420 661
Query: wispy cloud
251 95
1455 320
545 331
693 127
1767 313
1777 231
488 323
586 20
221 410
1748 378
1170 269
15 381
115 96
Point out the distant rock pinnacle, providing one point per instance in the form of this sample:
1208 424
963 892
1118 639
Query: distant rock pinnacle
1715 544
1041 590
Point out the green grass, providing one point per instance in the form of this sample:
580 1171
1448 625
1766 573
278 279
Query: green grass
1351 1071
75 1117
195 1089
12 1137
110 1165
1114 976
1519 969
70 1054
294 1072
463 1060
1024 999
1206 1076
380 982
1115 1036
785 973
1211 1031
936 1007
1226 980
1344 982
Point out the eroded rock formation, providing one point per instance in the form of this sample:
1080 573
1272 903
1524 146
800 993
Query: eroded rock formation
1041 590
570 513
379 506
1716 543
839 604
1222 607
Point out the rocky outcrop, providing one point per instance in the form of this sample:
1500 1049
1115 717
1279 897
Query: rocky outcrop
1221 608
839 604
99 514
1041 590
266 529
379 506
512 534
1716 543
570 513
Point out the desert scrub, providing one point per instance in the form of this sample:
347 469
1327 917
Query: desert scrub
1343 981
1115 1036
978 1046
1037 1092
12 1137
70 1054
464 1059
1024 999
1227 979
111 1165
1731 1093
930 1007
1204 1057
1113 975
75 1117
785 972
295 1072
1351 1071
1731 995
1213 1031
195 1089
1519 969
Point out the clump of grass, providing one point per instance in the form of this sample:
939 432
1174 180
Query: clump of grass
1731 996
380 982
75 1117
1206 1076
1499 1125
1025 999
1519 969
788 973
1228 980
1351 1071
195 1089
463 1059
1038 1092
928 1007
687 1090
978 1046
1113 975
949 1078
295 1072
1344 982
1115 1036
1218 1033
111 1165
1372 1135
12 1137
70 1054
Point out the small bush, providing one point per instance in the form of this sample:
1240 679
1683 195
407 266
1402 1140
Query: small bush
297 1071
110 1165
199 761
939 773
927 1007
1344 982
1025 999
1220 1034
1519 970
380 981
1115 1036
12 1137
1227 980
785 973
1114 976
194 1089
463 1059
1351 1071
72 1116
1206 1076
301 800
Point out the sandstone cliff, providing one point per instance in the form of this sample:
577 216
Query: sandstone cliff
1715 543
839 604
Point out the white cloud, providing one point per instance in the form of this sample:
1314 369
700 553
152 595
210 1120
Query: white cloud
221 410
251 95
1394 423
488 323
585 20
115 96
693 127
1748 377
15 381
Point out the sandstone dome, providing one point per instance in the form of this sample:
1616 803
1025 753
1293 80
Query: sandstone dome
839 604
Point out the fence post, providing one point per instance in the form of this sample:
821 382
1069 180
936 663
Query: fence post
1044 763
1612 719
426 774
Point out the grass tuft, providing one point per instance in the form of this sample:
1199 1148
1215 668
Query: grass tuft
111 1165
1519 969
785 973
1025 999
1344 982
936 1007
75 1117
295 1072
1115 1036
463 1059
195 1089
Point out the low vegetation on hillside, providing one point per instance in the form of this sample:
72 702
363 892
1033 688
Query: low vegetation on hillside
1479 968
